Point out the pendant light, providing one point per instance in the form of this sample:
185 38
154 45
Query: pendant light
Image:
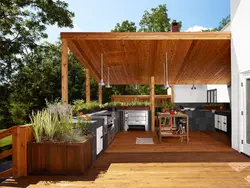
108 85
101 83
193 87
166 84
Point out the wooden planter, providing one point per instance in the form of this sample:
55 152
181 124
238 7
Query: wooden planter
59 158
134 108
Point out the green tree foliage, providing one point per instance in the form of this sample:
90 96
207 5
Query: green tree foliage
156 20
222 24
22 26
125 26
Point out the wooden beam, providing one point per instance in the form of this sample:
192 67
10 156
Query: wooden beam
6 173
147 36
87 86
7 132
172 94
6 153
100 94
64 71
152 101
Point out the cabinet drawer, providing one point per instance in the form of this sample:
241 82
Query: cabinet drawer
136 122
137 114
137 118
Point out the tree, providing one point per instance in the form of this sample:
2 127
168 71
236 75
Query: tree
155 21
22 26
126 26
40 79
222 24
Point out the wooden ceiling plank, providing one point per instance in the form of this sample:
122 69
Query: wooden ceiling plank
77 53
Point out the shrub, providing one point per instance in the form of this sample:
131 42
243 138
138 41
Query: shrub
55 124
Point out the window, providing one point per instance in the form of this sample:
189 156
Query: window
212 96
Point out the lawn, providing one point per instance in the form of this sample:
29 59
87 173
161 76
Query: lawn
5 141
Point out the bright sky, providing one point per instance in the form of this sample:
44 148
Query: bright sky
102 15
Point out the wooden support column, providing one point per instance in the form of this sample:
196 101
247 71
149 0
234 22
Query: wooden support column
100 94
87 86
172 94
20 138
64 71
152 101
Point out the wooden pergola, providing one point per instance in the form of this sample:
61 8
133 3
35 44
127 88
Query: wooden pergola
138 58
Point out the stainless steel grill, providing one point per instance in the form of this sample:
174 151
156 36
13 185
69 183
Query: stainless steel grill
135 118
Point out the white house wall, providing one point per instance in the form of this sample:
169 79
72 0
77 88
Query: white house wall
240 61
222 92
184 93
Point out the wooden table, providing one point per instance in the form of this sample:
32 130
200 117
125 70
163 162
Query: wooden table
171 116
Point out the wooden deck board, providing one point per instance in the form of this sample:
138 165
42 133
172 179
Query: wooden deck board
206 161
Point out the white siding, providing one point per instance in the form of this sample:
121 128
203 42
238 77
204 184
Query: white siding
240 60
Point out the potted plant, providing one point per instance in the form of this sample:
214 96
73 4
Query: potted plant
59 148
86 108
165 107
172 108
112 106
168 107
136 105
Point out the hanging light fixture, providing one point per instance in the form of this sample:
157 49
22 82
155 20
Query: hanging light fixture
108 85
166 84
101 83
193 87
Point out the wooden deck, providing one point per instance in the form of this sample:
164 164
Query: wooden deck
206 161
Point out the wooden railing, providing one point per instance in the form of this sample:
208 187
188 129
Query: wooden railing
159 99
21 135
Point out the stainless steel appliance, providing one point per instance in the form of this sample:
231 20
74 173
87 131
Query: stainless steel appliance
135 119
109 126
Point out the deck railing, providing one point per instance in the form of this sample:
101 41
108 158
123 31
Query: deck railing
21 135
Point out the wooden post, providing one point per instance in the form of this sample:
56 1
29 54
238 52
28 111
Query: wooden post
20 138
87 86
64 71
100 94
152 101
172 94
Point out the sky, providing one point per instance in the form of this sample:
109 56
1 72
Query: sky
102 15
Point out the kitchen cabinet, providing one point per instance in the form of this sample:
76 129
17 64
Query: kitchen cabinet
99 140
221 122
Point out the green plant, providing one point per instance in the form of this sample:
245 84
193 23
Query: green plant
115 104
74 136
83 122
138 103
168 105
64 113
80 105
50 124
37 125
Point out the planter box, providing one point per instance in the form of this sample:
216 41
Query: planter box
134 108
59 158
